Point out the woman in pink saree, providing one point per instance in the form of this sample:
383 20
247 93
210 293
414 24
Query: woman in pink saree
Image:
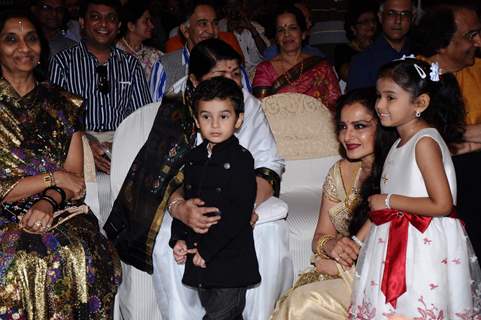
294 71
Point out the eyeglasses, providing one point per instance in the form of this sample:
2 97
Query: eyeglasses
403 15
103 82
470 35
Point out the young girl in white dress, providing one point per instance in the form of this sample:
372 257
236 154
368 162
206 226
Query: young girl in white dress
417 262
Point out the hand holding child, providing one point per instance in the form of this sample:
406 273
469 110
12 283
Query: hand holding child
199 261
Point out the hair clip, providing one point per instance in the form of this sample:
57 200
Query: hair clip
420 71
435 71
404 57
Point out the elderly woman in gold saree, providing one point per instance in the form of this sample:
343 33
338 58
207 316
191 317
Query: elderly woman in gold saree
54 263
324 292
292 70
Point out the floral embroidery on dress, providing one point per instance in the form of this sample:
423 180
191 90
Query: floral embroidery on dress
429 313
364 312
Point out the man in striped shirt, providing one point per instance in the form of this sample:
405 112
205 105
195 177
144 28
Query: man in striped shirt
201 24
111 81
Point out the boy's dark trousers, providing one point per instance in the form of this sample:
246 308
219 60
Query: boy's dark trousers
223 303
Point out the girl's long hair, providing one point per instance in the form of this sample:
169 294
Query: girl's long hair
384 139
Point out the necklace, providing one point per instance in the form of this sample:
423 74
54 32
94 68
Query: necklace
286 73
132 50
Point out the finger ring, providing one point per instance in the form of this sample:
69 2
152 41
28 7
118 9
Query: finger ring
38 223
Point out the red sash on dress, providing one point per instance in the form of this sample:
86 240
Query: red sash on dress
394 276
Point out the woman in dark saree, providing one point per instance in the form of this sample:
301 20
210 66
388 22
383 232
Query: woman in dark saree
292 70
54 263
139 222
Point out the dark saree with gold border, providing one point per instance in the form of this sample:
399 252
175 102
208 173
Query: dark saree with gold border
70 271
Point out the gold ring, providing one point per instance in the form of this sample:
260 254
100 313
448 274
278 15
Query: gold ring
38 223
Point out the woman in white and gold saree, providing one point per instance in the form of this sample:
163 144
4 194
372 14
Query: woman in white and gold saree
324 291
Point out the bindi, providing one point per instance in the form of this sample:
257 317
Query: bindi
20 25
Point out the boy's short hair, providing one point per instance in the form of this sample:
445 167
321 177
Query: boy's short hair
219 88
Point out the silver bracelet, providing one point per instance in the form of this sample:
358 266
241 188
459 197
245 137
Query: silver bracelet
357 241
175 202
387 201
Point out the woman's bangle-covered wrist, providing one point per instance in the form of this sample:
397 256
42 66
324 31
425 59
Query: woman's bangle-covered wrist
173 204
357 241
321 244
49 180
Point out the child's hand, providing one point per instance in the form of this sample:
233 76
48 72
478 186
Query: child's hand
180 252
377 202
199 261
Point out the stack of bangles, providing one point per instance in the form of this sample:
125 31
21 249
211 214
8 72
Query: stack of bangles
321 243
51 200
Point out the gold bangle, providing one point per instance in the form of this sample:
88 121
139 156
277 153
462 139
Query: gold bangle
173 204
49 180
321 243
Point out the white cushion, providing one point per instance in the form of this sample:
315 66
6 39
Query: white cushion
271 210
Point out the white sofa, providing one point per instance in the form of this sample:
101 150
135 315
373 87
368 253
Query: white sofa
305 136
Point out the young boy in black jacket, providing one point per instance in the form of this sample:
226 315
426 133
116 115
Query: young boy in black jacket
222 263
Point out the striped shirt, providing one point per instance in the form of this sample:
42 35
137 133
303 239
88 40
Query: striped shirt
158 79
74 69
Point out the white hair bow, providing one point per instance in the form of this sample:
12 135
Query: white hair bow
434 74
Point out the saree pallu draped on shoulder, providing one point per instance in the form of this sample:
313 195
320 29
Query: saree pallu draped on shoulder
287 78
138 211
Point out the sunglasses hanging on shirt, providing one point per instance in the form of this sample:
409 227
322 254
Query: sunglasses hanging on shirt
103 84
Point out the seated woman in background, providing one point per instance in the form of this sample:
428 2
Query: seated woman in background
137 27
51 267
360 24
292 70
325 291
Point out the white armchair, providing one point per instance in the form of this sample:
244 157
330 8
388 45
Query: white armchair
305 137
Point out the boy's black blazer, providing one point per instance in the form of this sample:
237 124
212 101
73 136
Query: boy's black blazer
225 180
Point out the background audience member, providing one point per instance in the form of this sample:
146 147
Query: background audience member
360 25
111 81
292 70
324 292
450 36
137 27
249 34
73 26
200 24
49 268
396 17
51 14
273 50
